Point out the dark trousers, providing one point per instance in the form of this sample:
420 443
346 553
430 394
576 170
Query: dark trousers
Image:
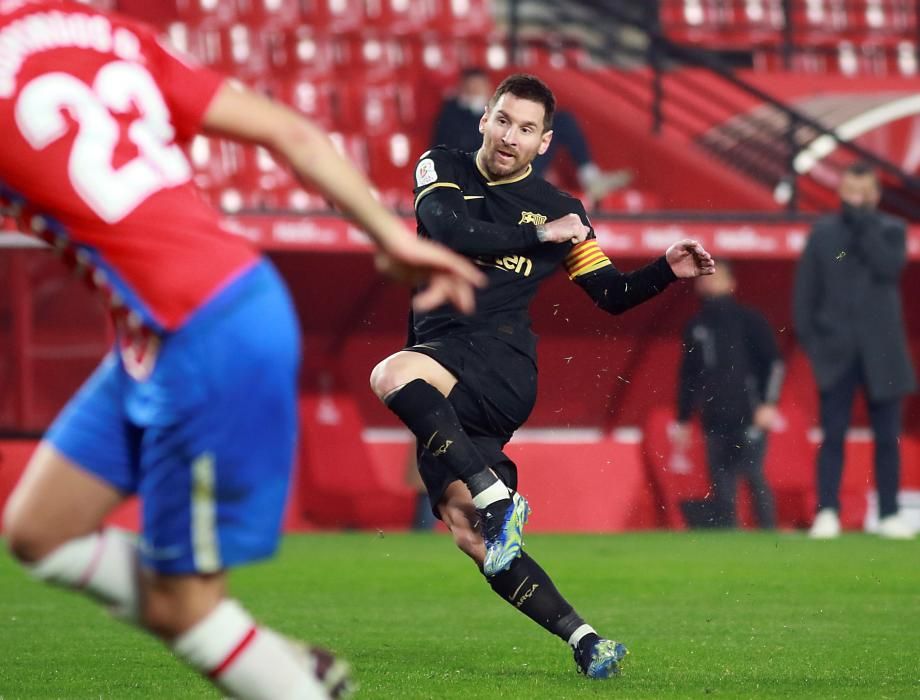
732 456
885 417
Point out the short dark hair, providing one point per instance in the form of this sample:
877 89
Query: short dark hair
861 168
528 87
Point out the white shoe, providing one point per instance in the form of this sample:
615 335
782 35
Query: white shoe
894 527
826 525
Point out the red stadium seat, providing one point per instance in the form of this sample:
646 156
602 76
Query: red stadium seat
398 17
236 49
218 12
461 18
303 51
391 159
272 14
334 16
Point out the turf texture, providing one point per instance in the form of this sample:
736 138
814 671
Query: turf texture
725 615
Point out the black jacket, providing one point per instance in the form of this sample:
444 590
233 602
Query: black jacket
847 304
730 365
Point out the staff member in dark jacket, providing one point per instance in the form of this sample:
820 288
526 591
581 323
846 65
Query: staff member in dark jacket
732 373
848 319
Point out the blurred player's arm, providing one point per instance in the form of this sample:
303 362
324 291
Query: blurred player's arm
241 114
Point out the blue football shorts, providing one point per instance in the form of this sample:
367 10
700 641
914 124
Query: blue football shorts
207 439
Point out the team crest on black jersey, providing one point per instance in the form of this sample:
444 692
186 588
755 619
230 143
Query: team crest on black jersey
529 217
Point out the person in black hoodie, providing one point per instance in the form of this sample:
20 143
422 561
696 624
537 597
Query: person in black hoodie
731 372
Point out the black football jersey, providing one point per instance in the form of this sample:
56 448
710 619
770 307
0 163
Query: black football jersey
502 307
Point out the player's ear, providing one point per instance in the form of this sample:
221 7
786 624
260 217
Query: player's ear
483 119
545 141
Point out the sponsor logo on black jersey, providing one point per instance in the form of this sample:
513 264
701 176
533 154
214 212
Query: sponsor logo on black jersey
513 263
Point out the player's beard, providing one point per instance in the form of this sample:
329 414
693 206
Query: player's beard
500 168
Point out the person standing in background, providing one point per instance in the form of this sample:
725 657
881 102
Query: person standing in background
848 319
731 372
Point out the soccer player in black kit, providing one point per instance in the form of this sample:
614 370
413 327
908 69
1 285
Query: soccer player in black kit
464 384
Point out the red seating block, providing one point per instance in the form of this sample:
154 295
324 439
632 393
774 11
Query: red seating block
605 489
334 16
274 14
391 158
461 17
398 17
339 485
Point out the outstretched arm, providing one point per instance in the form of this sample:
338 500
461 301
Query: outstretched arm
616 292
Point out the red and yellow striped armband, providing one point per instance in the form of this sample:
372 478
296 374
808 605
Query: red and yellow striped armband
586 257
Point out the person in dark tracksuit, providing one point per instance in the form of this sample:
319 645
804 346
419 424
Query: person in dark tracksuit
731 372
848 319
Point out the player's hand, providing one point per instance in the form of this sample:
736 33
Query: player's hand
688 258
568 228
450 277
766 417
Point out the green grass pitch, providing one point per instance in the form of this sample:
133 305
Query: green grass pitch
725 615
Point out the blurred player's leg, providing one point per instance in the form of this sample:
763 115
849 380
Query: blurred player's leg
210 459
527 587
50 524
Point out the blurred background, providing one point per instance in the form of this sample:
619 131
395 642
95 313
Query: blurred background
731 120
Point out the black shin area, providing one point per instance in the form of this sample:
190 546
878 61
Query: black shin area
434 422
527 587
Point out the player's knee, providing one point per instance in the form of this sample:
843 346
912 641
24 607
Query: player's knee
26 540
388 376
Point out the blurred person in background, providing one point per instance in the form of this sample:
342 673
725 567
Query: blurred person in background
457 126
464 384
195 409
731 373
848 319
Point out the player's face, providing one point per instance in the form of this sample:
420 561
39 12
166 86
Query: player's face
512 136
860 190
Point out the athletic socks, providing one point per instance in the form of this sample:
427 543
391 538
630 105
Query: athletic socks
247 661
527 587
103 564
434 422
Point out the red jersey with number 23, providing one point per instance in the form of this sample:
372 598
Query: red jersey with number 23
94 111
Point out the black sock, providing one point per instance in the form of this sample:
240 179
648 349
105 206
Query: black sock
528 588
434 422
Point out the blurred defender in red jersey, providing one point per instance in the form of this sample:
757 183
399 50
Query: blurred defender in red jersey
196 410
